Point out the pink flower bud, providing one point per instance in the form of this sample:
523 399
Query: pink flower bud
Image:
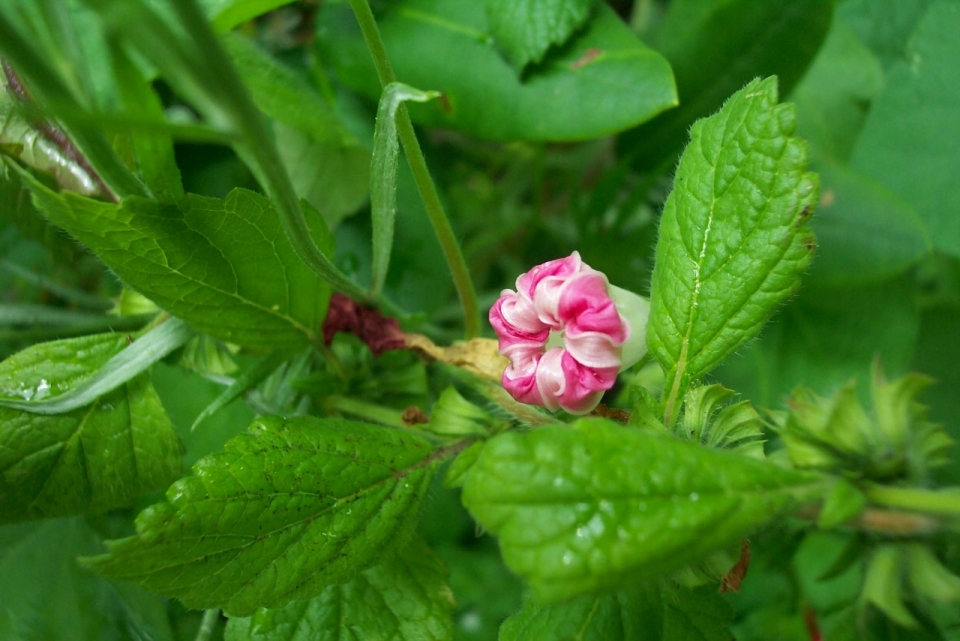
567 333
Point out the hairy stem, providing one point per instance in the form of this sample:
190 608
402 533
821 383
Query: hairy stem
425 184
207 624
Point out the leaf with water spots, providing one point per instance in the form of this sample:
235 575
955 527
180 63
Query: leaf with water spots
101 456
286 510
405 598
733 236
598 505
652 611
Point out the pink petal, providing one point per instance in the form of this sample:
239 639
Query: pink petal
585 306
527 282
522 385
593 349
563 382
514 319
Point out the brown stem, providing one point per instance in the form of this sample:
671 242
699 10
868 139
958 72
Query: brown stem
55 135
891 522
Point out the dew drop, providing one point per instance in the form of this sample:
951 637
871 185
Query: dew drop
567 559
694 497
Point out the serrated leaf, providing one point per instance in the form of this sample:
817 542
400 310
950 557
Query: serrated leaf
286 510
405 598
593 506
525 29
223 266
91 459
45 594
651 612
733 239
714 49
603 81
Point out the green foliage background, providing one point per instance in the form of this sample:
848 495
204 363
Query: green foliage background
559 127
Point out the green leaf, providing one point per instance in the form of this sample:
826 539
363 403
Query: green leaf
865 233
46 595
153 150
525 30
224 266
326 164
910 139
884 25
405 598
233 536
91 459
714 49
249 378
825 337
604 81
227 14
649 612
132 361
597 505
383 174
835 95
844 503
733 237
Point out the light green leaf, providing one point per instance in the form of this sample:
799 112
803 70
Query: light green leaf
285 511
865 232
651 612
91 459
603 81
46 595
884 25
733 237
122 367
227 14
715 48
844 503
524 30
909 142
405 598
383 174
598 505
223 266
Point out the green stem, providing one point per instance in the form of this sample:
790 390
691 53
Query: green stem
366 411
425 184
69 294
942 502
207 624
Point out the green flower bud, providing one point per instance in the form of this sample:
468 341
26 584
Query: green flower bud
453 415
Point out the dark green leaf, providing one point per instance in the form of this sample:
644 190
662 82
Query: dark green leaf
717 47
224 266
46 595
234 535
91 459
910 139
733 237
525 29
865 232
405 598
594 506
835 95
652 612
604 81
153 149
826 337
884 25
